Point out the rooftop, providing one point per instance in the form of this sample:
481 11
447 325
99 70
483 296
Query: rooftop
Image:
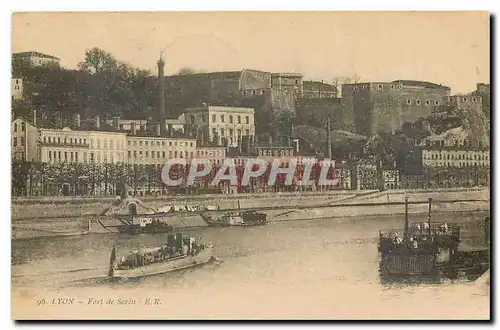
32 53
417 83
286 74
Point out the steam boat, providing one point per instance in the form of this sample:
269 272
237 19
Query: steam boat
180 252
428 249
229 219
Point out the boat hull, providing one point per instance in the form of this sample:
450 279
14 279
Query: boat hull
183 262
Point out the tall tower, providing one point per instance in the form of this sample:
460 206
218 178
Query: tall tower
161 114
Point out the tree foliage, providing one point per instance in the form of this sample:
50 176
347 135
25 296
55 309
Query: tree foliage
102 85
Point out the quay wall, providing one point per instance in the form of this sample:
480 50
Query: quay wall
278 209
49 208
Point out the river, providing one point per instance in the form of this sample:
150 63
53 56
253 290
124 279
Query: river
295 269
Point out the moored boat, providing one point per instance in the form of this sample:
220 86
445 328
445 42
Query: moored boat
228 219
180 252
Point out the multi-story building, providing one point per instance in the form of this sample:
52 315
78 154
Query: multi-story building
34 59
156 150
64 146
17 88
24 140
452 156
319 90
220 125
288 82
107 146
372 107
216 154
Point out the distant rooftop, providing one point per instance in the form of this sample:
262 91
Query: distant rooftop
418 83
286 74
37 54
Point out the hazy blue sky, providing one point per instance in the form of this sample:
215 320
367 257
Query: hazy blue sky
449 48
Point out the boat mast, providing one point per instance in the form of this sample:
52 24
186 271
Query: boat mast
430 205
406 221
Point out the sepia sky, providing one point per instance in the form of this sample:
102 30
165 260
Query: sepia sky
449 48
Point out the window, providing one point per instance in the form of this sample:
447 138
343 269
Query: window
191 144
23 126
50 155
15 142
192 119
221 132
121 127
408 101
213 118
170 154
392 86
170 143
140 143
436 102
175 154
60 156
129 154
135 154
163 143
147 153
247 132
253 92
231 132
247 120
230 119
146 143
428 102
380 87
157 154
91 156
163 154
128 142
22 141
221 118
76 157
239 132
15 127
239 119
417 102
465 99
65 156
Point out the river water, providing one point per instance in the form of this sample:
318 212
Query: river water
294 269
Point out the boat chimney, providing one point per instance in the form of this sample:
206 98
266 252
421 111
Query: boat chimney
429 219
406 221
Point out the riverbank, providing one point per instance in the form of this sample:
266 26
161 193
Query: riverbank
61 207
24 229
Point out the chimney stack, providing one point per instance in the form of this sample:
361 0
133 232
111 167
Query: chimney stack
270 140
77 120
116 122
161 115
158 129
133 129
97 122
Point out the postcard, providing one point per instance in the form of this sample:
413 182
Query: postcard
250 165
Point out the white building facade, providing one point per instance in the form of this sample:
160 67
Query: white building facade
218 124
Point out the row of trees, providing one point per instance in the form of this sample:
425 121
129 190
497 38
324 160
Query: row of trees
51 179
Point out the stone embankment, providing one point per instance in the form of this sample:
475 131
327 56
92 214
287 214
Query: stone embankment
43 219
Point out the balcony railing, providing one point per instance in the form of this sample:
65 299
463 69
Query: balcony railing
63 144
